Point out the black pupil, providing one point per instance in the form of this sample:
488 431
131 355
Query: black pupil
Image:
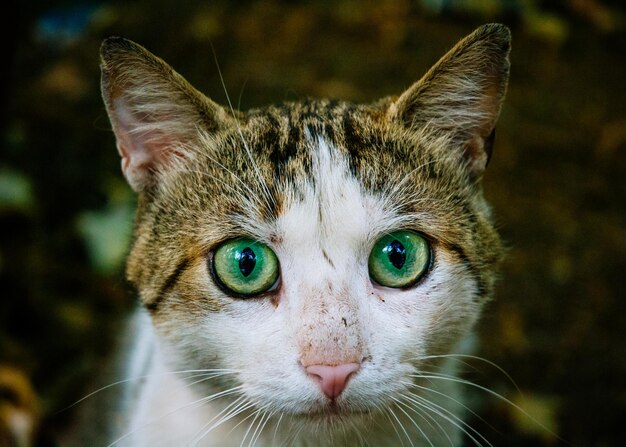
396 254
247 261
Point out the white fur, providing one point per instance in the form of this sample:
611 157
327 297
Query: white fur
327 311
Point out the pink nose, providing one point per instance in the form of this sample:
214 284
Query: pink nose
332 379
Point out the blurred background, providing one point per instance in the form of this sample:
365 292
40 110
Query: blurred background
557 182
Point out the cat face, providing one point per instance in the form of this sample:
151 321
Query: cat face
322 252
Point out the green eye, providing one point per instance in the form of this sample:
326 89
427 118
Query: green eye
245 267
399 259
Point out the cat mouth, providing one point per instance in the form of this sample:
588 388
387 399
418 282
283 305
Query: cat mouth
332 411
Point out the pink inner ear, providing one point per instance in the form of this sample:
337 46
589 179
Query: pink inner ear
142 151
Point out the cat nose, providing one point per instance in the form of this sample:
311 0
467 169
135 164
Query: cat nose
332 379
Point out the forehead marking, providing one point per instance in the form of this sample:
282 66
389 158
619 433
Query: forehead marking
325 216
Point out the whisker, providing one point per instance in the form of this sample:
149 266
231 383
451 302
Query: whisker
490 392
415 424
280 418
256 415
294 435
182 407
478 358
401 426
268 197
434 375
451 418
231 410
203 379
147 376
265 416
243 86
400 184
250 199
267 419
427 418
357 432
447 415
260 411
393 425
439 393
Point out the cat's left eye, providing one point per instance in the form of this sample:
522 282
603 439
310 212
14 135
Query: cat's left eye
399 259
245 267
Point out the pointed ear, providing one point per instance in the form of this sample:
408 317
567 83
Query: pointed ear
154 112
460 97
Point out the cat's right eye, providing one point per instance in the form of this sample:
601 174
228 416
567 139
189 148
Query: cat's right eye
399 259
245 267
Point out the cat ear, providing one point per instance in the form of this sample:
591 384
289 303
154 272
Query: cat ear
155 113
460 97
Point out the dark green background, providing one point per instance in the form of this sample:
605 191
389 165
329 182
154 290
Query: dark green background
557 180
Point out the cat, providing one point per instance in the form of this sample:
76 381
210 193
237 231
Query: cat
308 272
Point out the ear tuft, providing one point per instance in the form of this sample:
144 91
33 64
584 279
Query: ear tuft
155 113
461 96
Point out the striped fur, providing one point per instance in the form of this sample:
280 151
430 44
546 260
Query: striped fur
318 181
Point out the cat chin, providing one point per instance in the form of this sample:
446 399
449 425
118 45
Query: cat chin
331 416
332 421
333 412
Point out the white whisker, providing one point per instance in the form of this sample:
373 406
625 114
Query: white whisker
257 435
231 410
280 418
201 372
447 415
259 428
438 376
250 425
266 192
401 426
415 424
255 414
474 357
444 395
182 407
427 417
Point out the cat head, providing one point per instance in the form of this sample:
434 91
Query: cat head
324 252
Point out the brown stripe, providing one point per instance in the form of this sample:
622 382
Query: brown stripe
170 282
480 283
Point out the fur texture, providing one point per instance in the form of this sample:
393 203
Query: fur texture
319 182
